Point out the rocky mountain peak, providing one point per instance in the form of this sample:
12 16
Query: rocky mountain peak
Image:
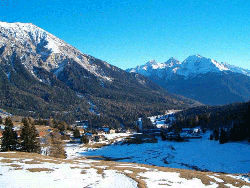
39 48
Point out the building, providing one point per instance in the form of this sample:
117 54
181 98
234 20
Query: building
82 123
139 125
112 131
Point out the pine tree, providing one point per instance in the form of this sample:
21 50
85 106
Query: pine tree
163 137
35 144
29 135
211 137
25 138
223 136
216 134
9 139
84 139
76 133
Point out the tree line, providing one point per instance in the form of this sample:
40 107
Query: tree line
28 138
229 122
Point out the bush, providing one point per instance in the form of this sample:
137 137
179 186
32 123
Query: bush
84 139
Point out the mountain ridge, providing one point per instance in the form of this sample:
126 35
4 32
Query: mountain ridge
192 65
43 74
200 78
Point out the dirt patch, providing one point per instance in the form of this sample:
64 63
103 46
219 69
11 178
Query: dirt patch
6 161
233 181
83 172
40 169
15 165
33 162
75 167
141 183
17 168
99 171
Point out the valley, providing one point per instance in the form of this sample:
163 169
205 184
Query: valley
196 154
69 119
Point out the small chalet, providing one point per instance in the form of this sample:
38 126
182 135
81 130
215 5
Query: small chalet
112 131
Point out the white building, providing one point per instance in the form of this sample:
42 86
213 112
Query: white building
139 125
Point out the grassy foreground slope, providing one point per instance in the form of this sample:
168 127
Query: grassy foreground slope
18 169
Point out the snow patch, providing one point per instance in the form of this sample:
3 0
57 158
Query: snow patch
160 179
216 179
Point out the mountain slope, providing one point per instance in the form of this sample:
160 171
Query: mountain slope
41 73
200 78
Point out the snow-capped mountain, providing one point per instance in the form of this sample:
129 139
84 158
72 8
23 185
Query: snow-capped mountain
200 78
42 73
39 48
190 67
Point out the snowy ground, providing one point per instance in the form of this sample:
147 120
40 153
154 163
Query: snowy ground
200 154
76 150
33 170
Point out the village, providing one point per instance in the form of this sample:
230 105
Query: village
103 136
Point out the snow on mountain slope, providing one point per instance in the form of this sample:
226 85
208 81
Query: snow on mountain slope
40 48
22 32
197 64
200 78
236 69
191 66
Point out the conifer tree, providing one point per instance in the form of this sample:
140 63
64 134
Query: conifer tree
76 133
29 135
216 134
223 136
9 139
35 144
84 139
25 138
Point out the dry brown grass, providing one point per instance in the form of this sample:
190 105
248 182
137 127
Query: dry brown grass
83 172
75 167
232 181
6 161
187 174
33 162
99 170
40 169
37 158
15 165
18 168
102 164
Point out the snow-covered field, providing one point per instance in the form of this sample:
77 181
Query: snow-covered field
34 170
201 154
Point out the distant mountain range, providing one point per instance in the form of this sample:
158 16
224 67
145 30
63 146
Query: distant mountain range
199 78
43 75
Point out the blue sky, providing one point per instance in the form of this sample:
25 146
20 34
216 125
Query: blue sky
132 32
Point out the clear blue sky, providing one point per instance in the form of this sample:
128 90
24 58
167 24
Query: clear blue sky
132 32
